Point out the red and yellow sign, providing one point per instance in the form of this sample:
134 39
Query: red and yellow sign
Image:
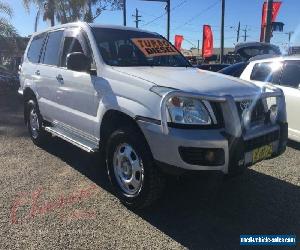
154 47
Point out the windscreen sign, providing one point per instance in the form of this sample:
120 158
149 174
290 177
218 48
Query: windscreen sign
154 47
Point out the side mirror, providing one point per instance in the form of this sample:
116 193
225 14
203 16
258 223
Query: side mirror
78 61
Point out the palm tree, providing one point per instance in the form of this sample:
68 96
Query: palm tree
47 7
65 11
6 29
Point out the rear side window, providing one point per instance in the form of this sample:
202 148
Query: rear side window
51 56
291 74
267 72
34 51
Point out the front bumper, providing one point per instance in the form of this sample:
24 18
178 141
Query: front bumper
234 142
166 148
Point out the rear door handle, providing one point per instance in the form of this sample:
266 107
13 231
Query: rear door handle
37 72
59 78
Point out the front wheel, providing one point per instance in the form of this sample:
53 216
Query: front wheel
136 180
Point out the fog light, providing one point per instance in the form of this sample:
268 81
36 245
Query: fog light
202 156
210 156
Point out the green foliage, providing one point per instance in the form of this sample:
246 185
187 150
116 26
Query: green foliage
6 29
65 11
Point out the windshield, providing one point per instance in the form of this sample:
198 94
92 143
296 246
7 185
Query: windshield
127 48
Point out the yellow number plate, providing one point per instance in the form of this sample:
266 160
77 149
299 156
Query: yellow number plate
262 153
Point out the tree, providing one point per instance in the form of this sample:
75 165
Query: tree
96 7
47 7
6 29
65 11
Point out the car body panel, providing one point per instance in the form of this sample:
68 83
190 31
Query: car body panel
292 95
78 102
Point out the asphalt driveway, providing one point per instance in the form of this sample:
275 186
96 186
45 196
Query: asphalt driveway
58 197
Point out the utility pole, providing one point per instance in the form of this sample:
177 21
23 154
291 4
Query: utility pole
198 47
137 20
168 7
290 35
222 31
168 10
268 32
245 33
238 32
124 12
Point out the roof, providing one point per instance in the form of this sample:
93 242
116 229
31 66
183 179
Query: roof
119 27
279 58
84 24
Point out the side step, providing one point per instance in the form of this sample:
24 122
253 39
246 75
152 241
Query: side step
85 144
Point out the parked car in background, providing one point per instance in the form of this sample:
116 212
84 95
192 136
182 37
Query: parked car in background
248 50
284 73
131 95
234 70
8 79
212 67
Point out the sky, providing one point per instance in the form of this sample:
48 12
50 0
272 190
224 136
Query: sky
187 19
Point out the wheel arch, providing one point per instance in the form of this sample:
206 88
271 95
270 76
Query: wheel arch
28 94
114 119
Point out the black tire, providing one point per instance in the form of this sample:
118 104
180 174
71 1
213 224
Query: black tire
153 180
39 136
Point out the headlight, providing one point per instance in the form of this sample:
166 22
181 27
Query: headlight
190 111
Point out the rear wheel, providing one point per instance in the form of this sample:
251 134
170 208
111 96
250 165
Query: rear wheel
34 123
136 180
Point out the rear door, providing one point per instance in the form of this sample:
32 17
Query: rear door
47 71
28 70
289 83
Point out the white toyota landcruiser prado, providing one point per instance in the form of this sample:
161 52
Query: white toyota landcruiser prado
131 95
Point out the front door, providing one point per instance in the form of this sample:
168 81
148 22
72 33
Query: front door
76 94
289 83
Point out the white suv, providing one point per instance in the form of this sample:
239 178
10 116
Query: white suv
131 95
284 73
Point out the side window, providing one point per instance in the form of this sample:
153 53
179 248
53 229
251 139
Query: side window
267 72
291 74
71 44
51 56
35 48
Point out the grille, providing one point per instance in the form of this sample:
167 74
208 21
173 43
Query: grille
261 140
258 113
216 107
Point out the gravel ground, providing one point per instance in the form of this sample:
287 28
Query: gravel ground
59 197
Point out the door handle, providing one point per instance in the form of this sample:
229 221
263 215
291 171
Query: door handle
59 78
37 72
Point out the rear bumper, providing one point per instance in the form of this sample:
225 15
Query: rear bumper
166 148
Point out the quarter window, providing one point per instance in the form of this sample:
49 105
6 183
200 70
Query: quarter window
51 56
267 72
35 48
291 74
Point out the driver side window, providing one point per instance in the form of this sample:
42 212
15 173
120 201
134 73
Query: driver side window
71 44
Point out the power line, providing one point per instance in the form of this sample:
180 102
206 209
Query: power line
156 18
199 14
